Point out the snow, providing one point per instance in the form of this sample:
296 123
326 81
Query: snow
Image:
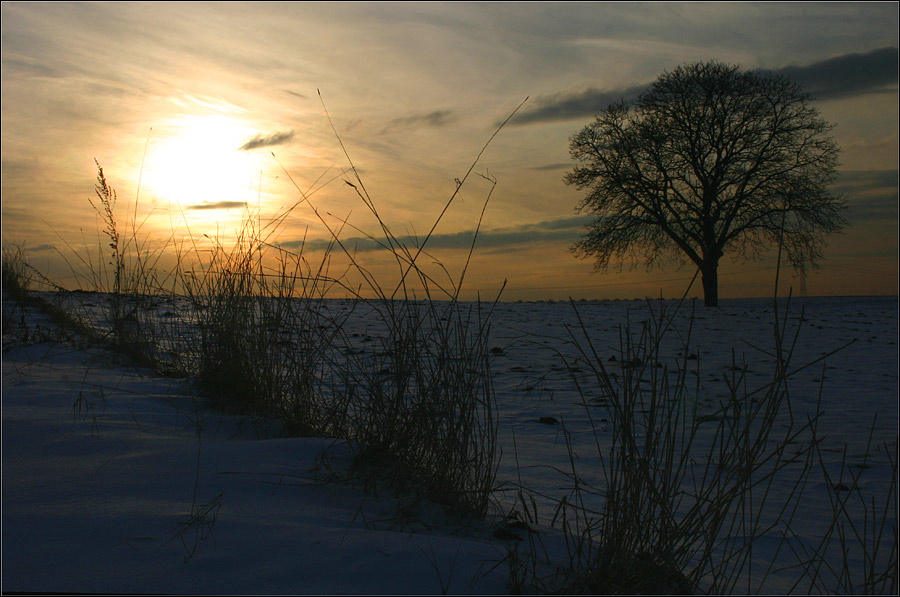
95 502
117 480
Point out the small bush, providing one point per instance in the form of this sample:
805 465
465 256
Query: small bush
263 336
425 419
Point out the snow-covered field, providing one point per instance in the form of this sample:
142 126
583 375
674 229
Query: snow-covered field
115 480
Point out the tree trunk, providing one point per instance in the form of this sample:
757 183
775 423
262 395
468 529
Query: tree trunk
710 274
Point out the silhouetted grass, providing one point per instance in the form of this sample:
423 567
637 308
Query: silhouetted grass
828 565
265 337
419 410
677 512
680 511
424 410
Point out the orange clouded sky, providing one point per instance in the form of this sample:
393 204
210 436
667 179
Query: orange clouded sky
193 99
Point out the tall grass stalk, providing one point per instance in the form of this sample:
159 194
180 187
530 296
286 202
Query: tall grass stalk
420 407
857 552
125 270
425 418
265 335
679 510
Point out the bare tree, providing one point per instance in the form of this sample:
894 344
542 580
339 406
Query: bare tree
710 159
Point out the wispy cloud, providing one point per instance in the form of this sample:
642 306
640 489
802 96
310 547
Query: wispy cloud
216 104
870 194
267 140
841 76
853 180
218 205
432 119
879 208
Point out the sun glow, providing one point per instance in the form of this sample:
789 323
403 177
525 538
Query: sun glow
197 162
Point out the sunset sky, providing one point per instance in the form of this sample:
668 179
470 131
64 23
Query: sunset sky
192 99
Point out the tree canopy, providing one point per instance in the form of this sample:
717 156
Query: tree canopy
709 160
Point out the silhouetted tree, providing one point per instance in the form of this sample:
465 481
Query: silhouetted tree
710 159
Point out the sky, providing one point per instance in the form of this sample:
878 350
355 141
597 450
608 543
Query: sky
203 113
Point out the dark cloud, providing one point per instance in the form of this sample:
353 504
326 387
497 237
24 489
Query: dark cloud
571 106
849 181
432 119
551 167
563 230
40 248
267 140
295 94
564 223
841 76
850 74
871 194
218 205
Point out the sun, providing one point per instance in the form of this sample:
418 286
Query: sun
197 162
